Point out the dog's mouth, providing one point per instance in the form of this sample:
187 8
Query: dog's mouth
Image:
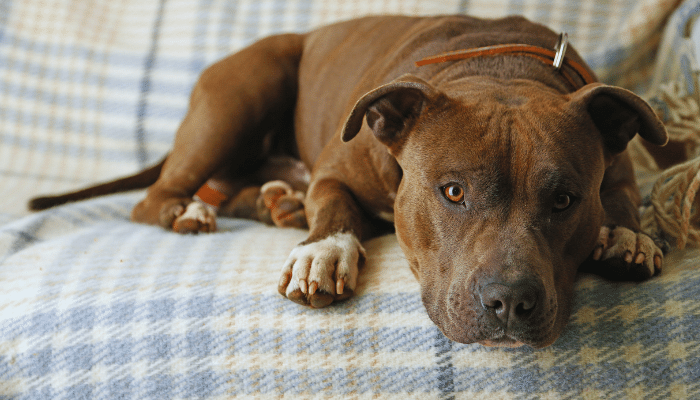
507 339
467 321
500 337
502 342
535 337
511 340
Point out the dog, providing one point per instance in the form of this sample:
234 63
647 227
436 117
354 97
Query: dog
499 160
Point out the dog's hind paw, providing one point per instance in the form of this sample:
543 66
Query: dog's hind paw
633 255
279 203
196 218
321 272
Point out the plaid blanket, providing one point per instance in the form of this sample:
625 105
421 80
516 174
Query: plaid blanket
95 307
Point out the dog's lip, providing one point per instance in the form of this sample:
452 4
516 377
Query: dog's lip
502 342
503 338
500 338
494 337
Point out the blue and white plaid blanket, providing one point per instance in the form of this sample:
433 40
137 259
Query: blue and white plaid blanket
95 307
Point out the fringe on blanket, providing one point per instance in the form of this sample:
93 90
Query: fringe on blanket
671 211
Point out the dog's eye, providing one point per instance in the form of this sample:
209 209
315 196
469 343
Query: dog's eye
562 202
454 193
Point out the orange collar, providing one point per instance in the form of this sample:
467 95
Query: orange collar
555 57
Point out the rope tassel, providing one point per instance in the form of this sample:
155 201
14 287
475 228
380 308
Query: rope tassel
672 213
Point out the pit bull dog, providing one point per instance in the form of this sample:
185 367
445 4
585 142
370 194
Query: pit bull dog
499 160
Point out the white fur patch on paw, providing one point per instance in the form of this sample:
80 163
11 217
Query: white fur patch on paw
634 248
196 218
328 267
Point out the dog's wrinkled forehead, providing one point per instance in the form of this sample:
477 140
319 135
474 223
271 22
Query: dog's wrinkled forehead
496 130
514 92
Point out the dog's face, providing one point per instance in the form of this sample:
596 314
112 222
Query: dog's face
499 202
498 206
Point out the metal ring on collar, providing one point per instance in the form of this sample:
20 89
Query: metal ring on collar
560 48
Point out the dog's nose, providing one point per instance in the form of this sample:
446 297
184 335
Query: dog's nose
510 302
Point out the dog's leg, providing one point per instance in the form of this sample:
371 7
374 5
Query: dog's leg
324 268
623 251
235 103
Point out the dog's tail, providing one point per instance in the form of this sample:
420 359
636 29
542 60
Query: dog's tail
140 180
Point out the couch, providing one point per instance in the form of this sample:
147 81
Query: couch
93 306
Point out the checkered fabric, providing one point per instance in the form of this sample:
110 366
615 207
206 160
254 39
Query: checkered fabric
95 307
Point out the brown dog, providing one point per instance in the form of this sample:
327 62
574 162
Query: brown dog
501 173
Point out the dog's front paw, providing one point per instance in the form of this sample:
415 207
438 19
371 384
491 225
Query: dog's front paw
195 218
321 272
634 255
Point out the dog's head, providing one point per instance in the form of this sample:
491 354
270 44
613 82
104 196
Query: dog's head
499 202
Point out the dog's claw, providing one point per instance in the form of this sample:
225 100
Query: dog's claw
628 251
323 271
339 286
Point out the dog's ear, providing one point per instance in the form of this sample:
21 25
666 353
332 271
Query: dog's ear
619 115
390 109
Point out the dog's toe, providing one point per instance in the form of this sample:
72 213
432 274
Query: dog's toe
196 218
321 272
648 254
634 255
298 297
321 299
